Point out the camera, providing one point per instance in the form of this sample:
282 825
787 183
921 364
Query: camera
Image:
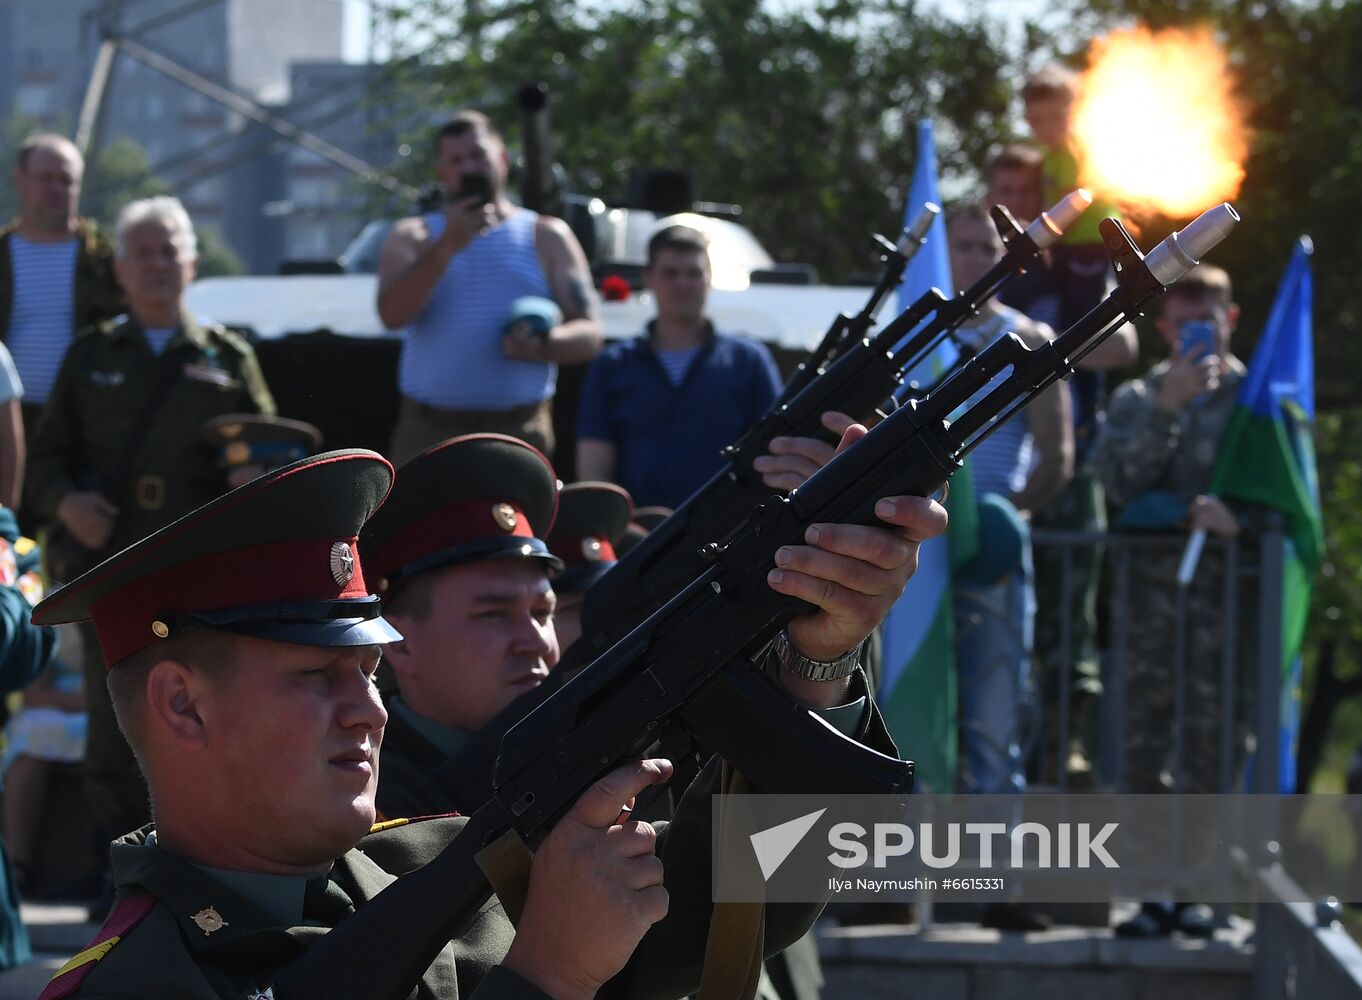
473 186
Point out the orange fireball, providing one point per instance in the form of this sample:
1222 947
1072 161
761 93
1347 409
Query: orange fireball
1156 126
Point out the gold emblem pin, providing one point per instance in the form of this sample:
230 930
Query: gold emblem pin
342 564
160 629
591 549
238 453
504 515
208 921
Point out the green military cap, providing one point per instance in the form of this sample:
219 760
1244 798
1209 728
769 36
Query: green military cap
277 558
476 497
256 439
592 518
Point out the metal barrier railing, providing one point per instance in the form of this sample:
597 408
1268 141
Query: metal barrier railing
1300 951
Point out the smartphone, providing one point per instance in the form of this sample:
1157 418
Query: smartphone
1196 339
473 185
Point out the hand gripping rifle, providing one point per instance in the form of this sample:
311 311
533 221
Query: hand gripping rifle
846 329
687 674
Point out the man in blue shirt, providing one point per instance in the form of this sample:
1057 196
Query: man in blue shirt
657 410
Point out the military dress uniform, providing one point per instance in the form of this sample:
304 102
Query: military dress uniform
440 515
279 559
102 388
470 499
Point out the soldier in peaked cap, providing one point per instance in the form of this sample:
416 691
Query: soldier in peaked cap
248 445
243 640
592 521
459 556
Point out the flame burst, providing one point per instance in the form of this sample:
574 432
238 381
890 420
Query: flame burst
1155 123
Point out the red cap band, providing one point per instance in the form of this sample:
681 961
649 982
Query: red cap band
459 524
314 570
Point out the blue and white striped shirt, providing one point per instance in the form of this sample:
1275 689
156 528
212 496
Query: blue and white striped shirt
43 317
1001 463
452 357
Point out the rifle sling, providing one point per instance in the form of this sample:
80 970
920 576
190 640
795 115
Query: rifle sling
506 863
737 931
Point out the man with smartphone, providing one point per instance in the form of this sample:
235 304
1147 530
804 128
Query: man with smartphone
1156 456
494 297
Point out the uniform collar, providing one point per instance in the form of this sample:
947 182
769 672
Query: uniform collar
243 903
188 330
449 740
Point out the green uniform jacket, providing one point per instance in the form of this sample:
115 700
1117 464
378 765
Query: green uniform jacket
169 954
108 374
98 296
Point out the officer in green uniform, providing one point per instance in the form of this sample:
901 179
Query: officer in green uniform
243 641
117 453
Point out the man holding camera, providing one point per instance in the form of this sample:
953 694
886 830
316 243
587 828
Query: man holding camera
494 297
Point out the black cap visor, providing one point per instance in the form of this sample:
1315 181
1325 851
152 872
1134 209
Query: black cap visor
348 622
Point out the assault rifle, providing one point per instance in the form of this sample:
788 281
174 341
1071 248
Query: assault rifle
688 673
846 330
861 380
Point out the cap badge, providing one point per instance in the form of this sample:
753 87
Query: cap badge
504 515
591 549
342 563
208 921
237 453
266 994
160 629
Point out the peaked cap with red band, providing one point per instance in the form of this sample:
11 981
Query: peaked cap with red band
592 518
476 497
276 558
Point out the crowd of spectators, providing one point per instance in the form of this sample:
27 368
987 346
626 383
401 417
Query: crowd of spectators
107 383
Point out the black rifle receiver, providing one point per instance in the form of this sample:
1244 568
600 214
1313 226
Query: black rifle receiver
689 670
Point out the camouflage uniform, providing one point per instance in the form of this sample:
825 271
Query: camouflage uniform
101 387
1156 460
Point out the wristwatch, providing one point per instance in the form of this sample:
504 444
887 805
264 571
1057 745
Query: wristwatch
814 670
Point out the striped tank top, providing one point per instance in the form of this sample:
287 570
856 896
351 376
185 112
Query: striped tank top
43 317
452 356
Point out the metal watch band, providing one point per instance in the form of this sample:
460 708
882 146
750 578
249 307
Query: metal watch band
815 670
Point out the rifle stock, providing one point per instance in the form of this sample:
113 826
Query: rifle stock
691 666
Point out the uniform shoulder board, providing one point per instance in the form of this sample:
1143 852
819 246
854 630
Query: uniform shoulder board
236 341
127 913
392 824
